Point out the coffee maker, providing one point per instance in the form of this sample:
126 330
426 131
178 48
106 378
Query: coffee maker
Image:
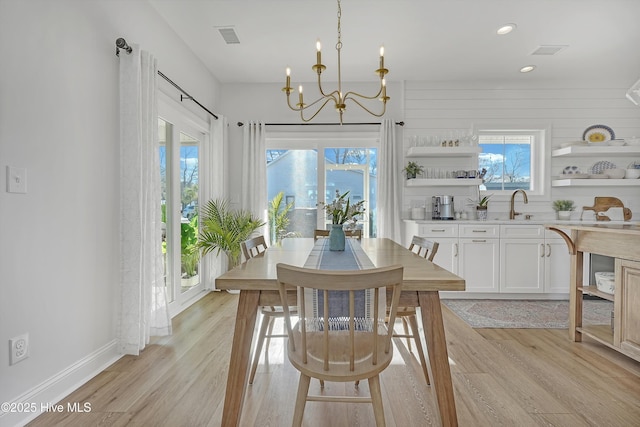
442 207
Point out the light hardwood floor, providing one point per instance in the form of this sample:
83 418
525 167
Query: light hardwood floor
502 377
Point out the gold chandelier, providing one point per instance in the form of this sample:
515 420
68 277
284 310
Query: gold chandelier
338 97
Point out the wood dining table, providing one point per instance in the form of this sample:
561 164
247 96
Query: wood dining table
256 280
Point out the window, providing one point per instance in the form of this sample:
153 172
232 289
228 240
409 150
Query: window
304 178
179 145
513 159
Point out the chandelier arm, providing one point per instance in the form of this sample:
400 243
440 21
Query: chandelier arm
384 108
317 111
293 108
351 94
325 95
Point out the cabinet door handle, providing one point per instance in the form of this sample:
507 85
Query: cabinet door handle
455 249
548 250
478 231
541 250
437 231
479 241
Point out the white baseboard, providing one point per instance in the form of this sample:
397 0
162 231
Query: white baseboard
35 401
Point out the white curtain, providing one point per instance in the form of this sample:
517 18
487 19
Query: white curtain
389 183
213 184
254 171
143 302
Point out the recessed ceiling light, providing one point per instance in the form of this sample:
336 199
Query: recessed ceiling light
506 29
527 68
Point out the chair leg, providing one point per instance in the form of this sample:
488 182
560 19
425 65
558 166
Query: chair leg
272 322
301 400
416 336
376 400
258 350
406 332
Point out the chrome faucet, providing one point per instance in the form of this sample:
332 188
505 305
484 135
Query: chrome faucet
512 212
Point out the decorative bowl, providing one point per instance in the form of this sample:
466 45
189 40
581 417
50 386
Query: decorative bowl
605 281
615 173
632 174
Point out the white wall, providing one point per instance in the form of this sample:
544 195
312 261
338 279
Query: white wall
567 107
59 243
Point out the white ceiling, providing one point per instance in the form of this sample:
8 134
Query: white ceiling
433 40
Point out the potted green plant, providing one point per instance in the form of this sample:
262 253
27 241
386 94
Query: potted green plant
482 204
412 170
564 208
341 210
224 229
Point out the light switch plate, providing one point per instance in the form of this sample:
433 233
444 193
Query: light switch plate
16 180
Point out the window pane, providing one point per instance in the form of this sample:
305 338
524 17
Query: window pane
189 255
294 173
507 159
163 135
353 170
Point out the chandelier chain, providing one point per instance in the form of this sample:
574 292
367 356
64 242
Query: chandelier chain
339 44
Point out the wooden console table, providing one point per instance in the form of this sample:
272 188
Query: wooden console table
622 242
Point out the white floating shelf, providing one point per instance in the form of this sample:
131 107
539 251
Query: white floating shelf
596 151
449 182
443 151
595 182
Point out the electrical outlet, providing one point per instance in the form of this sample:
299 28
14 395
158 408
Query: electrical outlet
19 347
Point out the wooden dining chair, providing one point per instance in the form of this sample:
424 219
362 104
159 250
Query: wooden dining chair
252 248
355 234
427 249
340 346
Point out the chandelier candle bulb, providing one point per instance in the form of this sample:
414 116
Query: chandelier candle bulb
319 55
381 57
288 85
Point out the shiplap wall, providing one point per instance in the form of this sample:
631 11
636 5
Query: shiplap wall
566 108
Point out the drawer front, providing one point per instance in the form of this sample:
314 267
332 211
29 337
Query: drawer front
522 231
479 230
438 230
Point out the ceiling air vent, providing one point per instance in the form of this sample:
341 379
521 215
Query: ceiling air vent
229 35
548 49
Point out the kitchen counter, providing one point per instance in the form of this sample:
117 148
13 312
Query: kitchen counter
541 221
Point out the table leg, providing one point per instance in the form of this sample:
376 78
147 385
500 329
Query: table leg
240 357
575 297
438 356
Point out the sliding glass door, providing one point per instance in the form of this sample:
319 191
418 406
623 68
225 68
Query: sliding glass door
303 179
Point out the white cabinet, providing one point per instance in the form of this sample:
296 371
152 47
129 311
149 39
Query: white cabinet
522 265
512 258
533 260
556 264
447 237
522 262
479 257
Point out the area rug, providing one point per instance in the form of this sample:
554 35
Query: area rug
527 313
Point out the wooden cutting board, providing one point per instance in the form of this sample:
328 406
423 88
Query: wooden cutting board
602 204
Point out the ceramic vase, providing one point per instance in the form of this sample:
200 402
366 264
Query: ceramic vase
564 215
336 238
482 213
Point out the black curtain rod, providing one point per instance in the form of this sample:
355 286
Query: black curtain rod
323 124
122 44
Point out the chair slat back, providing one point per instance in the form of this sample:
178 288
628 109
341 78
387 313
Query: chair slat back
358 343
253 247
424 247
